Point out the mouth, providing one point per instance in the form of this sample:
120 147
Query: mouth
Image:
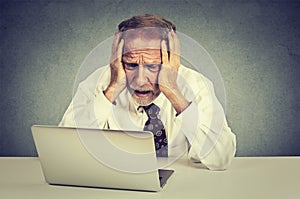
142 93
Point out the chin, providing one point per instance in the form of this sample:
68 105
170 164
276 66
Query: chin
143 101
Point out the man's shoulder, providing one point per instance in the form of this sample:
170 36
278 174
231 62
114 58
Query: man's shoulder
191 76
99 72
192 82
100 76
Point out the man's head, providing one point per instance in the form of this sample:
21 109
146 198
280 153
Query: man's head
142 54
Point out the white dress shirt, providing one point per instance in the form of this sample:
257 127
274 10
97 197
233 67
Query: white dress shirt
201 129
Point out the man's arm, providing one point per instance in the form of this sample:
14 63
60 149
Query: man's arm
93 98
202 119
167 79
212 142
118 77
89 106
203 123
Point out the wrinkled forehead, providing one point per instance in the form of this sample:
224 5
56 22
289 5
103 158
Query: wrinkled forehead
147 56
143 38
141 44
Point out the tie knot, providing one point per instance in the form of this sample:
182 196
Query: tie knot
152 110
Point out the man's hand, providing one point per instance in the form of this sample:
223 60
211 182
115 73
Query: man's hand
118 77
167 79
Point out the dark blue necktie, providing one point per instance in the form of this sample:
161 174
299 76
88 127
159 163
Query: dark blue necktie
155 126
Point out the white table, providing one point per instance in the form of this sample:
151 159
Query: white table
251 177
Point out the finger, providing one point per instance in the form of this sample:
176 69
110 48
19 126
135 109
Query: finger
164 52
176 43
171 42
120 50
115 45
175 53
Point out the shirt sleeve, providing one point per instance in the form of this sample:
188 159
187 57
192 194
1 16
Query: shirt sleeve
211 141
89 107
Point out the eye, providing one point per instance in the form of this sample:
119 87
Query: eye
130 66
153 67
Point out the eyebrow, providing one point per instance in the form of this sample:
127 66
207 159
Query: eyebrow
138 64
146 58
129 63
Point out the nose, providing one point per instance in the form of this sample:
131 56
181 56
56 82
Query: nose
141 77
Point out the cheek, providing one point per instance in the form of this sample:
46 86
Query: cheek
153 78
129 76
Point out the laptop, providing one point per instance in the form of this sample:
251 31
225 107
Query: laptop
99 158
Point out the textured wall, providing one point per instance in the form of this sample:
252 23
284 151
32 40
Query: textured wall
255 44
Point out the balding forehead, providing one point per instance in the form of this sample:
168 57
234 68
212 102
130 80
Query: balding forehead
147 33
137 44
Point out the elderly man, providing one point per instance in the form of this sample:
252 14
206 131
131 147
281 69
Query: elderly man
146 88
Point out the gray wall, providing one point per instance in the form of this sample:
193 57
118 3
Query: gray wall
255 44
